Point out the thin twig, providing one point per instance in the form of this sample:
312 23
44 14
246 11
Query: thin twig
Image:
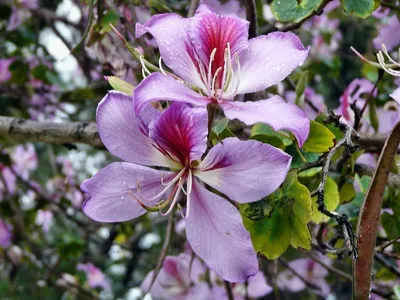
320 191
164 251
387 264
228 289
251 16
192 8
382 247
307 282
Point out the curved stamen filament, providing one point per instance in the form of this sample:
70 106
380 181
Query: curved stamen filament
144 66
381 60
161 67
177 192
209 77
189 185
384 50
213 89
238 74
175 179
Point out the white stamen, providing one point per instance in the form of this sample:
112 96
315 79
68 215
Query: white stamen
384 49
227 70
144 65
143 74
381 61
213 81
189 184
238 75
171 207
212 55
161 67
169 184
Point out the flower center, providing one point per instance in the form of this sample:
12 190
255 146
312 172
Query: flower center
219 76
175 186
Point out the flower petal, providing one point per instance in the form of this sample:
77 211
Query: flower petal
119 130
210 31
274 112
269 60
176 49
245 171
216 233
181 132
112 190
396 95
158 87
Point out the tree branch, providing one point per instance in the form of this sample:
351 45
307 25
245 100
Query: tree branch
86 133
50 132
368 220
251 16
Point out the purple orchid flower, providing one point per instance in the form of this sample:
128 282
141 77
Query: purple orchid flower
5 73
95 276
212 54
312 109
227 8
179 279
244 171
389 34
310 270
5 234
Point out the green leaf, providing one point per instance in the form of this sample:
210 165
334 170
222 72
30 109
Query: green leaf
360 8
300 88
373 116
319 140
109 18
286 224
120 85
347 192
260 128
269 139
220 131
396 290
294 10
220 126
331 200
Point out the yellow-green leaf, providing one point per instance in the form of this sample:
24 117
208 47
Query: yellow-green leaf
319 140
287 222
331 200
120 85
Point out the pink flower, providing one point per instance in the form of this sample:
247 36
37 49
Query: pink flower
310 270
178 280
388 34
5 73
44 218
227 8
25 159
314 108
5 234
95 276
212 54
20 13
177 139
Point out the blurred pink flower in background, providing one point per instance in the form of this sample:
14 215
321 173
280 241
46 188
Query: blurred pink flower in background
44 218
5 73
388 34
5 234
94 275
